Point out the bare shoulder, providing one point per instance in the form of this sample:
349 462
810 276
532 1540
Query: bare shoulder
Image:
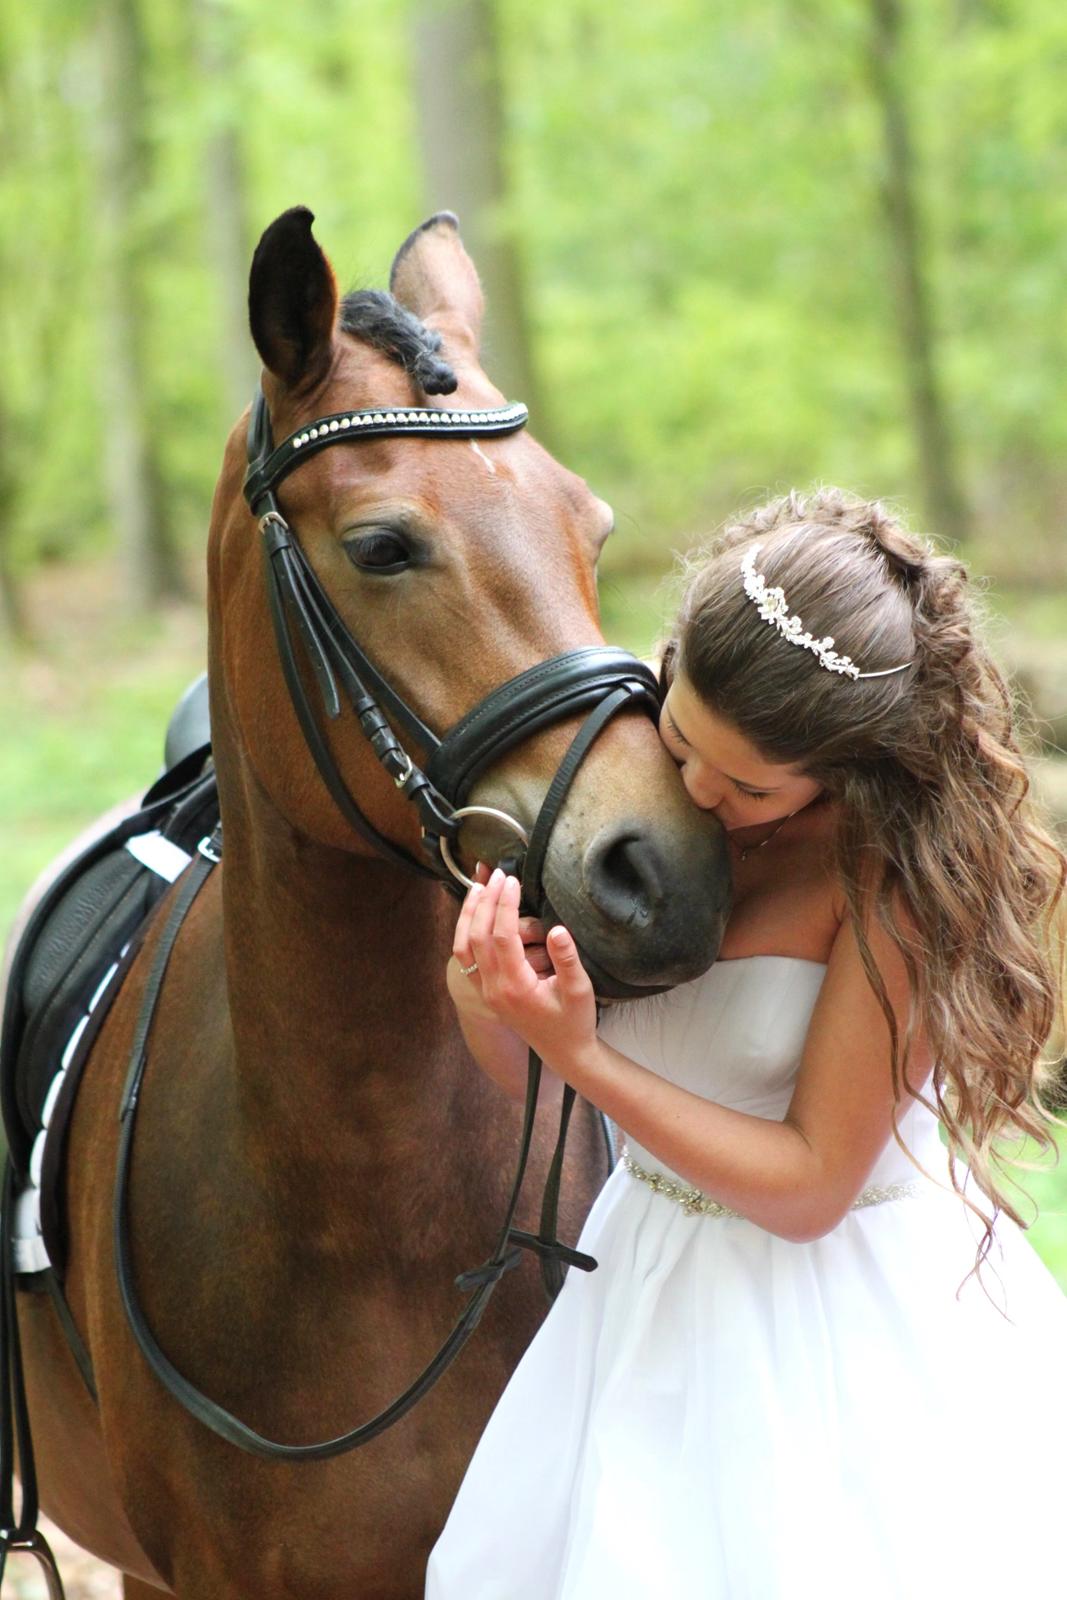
853 1024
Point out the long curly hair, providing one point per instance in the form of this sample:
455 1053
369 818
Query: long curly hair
938 836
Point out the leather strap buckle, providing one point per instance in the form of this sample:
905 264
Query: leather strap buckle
210 846
401 777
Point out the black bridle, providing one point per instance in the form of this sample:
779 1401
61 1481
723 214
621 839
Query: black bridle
599 681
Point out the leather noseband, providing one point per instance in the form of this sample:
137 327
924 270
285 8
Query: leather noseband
598 681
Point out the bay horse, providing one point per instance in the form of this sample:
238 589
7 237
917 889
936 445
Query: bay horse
316 1156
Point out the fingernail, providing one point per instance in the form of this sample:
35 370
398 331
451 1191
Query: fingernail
496 875
475 889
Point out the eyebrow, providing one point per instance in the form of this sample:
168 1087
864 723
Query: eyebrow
754 788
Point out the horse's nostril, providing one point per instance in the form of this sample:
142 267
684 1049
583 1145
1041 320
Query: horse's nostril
623 878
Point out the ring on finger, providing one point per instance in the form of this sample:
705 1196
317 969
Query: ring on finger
465 972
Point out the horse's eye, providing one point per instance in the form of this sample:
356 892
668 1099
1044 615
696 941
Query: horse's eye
380 551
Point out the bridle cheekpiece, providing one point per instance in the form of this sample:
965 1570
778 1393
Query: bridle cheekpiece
596 680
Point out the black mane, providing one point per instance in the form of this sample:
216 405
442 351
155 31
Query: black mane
375 315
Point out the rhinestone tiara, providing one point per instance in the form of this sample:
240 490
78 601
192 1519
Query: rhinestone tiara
774 608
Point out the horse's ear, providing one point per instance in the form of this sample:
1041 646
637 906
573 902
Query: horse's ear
292 300
434 277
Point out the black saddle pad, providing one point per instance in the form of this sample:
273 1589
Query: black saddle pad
76 933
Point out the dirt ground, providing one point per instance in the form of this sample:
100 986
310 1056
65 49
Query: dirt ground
84 1578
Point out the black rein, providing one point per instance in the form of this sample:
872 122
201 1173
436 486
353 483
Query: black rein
598 681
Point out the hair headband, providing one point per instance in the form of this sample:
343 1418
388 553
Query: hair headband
774 608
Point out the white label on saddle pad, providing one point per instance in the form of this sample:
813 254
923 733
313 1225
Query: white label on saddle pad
29 1252
158 854
28 1246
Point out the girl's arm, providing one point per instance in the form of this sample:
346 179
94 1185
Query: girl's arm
797 1178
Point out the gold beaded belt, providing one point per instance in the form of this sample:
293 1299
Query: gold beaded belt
694 1203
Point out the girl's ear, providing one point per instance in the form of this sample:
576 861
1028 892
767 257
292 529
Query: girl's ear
292 301
434 277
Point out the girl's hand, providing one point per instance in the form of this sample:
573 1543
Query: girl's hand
552 1006
466 987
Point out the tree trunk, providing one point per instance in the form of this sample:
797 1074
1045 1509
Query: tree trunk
12 618
228 243
134 480
934 436
462 139
12 622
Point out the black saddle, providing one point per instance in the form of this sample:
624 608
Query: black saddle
189 728
80 940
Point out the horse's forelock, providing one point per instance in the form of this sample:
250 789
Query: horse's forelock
380 319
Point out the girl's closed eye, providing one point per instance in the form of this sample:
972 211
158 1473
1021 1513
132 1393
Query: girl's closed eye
723 770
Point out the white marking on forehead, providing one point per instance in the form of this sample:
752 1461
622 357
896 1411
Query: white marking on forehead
478 451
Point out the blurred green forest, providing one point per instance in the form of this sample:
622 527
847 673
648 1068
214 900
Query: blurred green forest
727 250
703 201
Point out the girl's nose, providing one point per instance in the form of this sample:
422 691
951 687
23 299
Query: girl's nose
703 787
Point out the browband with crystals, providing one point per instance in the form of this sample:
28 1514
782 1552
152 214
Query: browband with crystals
266 470
774 608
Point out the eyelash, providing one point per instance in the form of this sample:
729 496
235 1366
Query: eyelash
746 794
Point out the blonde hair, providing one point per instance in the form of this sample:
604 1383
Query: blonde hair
938 837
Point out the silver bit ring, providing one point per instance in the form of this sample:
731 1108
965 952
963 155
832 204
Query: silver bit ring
478 811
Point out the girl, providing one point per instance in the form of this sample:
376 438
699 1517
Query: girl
786 1380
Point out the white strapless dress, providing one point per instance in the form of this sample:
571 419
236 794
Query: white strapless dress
719 1414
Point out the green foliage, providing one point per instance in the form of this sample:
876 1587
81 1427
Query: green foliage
83 724
1041 1198
77 742
696 192
715 296
45 260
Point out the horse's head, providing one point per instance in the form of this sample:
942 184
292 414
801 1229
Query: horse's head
457 563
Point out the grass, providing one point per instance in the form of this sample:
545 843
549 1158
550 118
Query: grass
84 717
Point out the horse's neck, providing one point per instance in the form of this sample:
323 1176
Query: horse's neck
342 1028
